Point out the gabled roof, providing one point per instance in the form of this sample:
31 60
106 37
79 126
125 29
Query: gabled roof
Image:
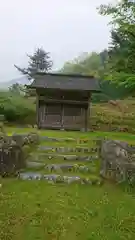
65 82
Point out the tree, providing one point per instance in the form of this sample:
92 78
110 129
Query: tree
38 62
90 64
122 49
17 89
96 64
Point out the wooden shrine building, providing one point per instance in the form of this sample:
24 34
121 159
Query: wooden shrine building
63 100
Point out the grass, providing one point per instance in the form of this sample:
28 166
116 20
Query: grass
117 116
31 210
77 135
35 210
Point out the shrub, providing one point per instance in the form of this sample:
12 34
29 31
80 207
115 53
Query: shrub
17 108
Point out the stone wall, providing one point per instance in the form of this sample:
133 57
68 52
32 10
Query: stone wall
14 151
117 161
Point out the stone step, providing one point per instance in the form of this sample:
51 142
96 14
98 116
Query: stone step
68 149
55 139
54 178
31 164
51 156
61 167
70 140
69 167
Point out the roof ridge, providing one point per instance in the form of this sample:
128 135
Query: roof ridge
65 74
66 82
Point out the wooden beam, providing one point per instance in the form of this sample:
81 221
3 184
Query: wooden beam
67 128
62 101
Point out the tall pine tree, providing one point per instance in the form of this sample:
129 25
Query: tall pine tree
38 62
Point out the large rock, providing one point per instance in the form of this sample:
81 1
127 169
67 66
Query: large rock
11 159
117 161
24 139
14 151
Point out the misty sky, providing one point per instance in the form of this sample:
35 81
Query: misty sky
65 28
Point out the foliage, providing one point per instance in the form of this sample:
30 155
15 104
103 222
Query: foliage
17 89
96 64
89 64
16 108
38 62
121 51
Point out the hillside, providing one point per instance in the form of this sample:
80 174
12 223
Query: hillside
109 116
21 80
114 116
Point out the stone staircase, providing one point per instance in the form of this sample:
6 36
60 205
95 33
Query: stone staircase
64 160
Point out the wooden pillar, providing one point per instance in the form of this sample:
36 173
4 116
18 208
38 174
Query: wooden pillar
88 114
83 119
62 116
37 110
88 117
44 118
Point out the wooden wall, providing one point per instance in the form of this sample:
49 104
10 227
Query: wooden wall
62 113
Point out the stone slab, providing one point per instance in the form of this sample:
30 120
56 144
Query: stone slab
67 149
51 156
59 166
55 139
67 167
78 141
34 164
54 178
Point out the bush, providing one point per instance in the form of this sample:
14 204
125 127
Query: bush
17 108
106 117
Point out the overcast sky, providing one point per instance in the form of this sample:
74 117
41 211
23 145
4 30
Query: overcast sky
65 28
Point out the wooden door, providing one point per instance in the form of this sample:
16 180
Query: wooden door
73 117
50 116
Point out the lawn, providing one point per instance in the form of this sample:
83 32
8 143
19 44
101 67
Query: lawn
31 210
35 210
77 135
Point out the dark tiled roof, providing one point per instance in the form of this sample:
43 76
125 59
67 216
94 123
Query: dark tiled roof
65 82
